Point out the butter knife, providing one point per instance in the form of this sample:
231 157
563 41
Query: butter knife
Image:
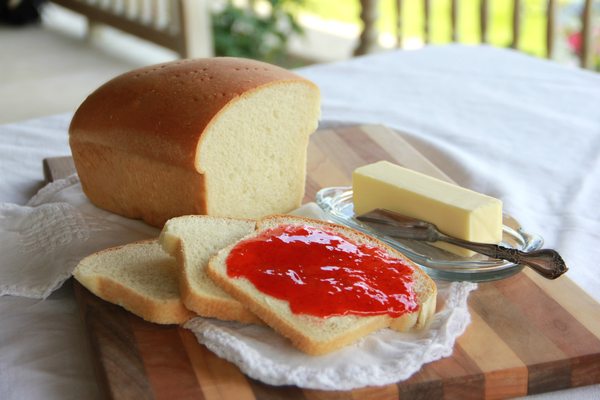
546 262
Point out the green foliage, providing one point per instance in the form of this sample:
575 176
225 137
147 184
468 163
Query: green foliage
245 32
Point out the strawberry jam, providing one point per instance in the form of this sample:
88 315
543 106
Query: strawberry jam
322 273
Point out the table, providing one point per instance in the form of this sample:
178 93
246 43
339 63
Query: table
518 128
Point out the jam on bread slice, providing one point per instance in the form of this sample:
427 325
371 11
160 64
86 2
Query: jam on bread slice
321 285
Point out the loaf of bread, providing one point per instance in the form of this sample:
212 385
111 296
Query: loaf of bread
193 240
139 277
313 334
219 136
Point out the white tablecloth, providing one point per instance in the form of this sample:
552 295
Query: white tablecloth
518 128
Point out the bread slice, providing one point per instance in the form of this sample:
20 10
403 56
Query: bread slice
139 277
315 335
218 136
193 240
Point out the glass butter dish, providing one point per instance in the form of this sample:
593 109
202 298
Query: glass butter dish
338 206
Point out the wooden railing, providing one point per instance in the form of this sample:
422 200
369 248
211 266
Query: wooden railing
180 25
368 38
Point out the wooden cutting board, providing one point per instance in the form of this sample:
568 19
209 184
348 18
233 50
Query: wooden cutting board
527 335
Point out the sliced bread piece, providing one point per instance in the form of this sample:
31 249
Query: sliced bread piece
193 240
139 277
317 335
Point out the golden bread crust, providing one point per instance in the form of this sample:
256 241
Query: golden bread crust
161 111
171 311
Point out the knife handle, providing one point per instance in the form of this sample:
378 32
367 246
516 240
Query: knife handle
545 262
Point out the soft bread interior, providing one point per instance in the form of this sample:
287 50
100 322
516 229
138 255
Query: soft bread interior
140 277
253 154
193 240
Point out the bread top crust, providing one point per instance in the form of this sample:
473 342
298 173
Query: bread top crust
161 111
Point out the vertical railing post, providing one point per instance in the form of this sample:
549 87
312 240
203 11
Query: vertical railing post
484 14
516 17
550 28
426 21
196 27
586 35
399 24
368 37
454 19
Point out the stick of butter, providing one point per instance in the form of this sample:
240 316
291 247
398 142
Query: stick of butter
456 211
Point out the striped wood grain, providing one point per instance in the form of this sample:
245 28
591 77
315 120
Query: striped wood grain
528 335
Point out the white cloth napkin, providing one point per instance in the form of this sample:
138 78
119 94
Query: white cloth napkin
43 241
381 358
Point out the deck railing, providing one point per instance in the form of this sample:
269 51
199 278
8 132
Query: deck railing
180 25
368 38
